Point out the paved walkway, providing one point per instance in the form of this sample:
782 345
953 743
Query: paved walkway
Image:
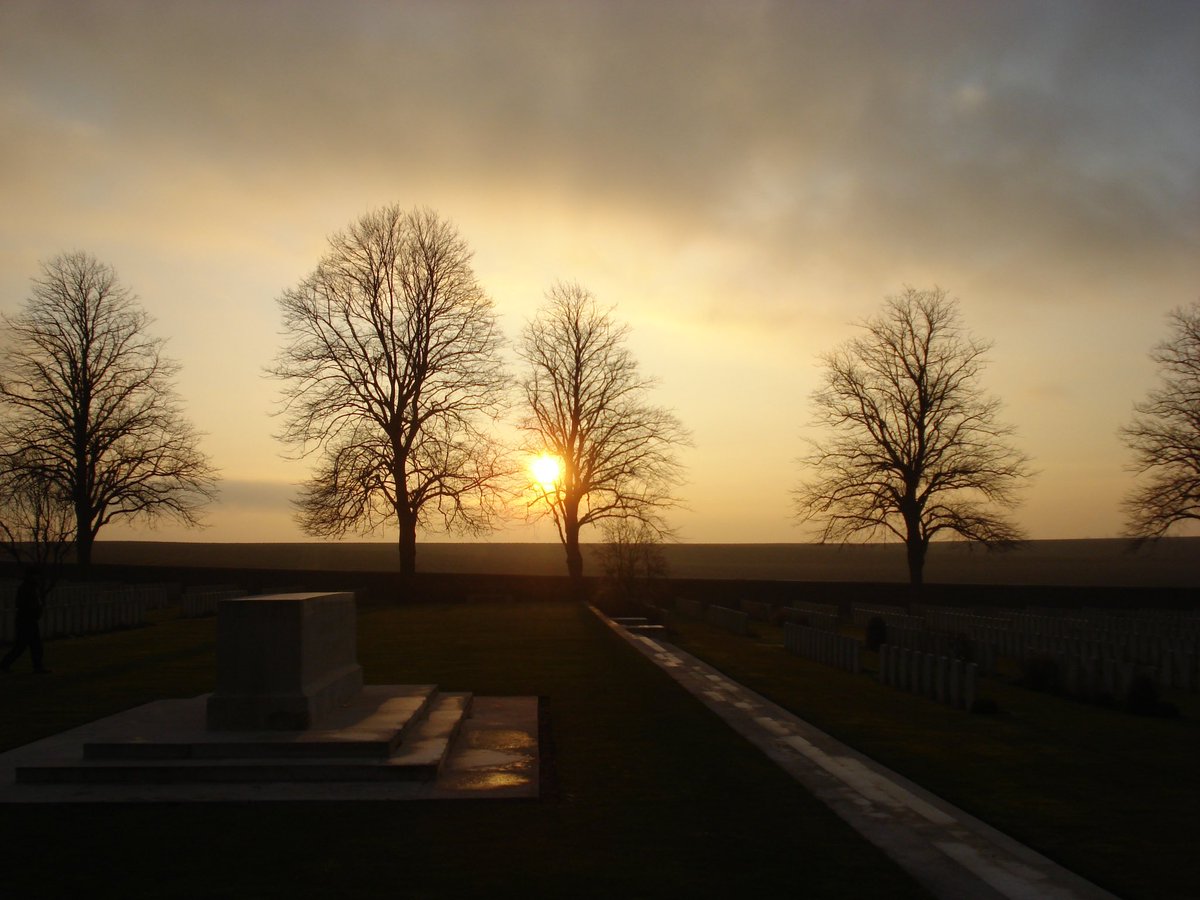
954 855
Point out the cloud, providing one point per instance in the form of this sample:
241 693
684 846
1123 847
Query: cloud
754 176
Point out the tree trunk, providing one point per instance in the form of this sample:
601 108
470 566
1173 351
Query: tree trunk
84 538
574 556
408 547
916 547
574 559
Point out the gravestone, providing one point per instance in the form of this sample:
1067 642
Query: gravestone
284 662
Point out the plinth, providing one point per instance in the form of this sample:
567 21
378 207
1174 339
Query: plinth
284 661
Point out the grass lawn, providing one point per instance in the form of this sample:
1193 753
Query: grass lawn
1109 795
648 794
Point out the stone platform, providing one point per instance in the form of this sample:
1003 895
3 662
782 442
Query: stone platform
401 742
289 709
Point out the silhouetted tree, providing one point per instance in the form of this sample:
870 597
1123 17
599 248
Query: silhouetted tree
37 523
89 409
916 449
632 559
1165 434
586 405
391 367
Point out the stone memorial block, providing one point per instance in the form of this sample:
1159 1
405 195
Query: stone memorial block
284 661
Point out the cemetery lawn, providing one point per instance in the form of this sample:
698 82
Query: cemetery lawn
1109 795
645 792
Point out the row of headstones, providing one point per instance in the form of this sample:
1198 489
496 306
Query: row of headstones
815 615
196 604
823 646
93 616
1144 647
730 619
949 681
943 618
813 618
1169 670
1010 638
1140 649
1164 622
1078 626
954 646
76 592
820 609
154 596
759 610
893 616
1085 622
1089 677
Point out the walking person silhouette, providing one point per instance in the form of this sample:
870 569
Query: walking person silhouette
28 635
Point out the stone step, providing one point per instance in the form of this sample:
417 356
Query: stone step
431 740
427 739
372 726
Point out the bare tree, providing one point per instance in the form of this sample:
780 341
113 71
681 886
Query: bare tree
633 562
1165 435
89 406
391 369
586 406
916 448
37 523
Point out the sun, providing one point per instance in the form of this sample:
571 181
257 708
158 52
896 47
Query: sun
546 471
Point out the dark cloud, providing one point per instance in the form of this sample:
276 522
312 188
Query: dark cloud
662 101
935 132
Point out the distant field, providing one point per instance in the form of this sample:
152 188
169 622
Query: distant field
1172 562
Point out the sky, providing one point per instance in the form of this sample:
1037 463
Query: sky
744 181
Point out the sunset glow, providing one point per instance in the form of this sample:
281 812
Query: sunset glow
546 471
741 182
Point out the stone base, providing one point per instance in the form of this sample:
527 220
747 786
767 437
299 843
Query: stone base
398 742
285 711
373 727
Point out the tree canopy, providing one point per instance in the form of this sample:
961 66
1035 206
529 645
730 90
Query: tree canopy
588 406
915 446
89 406
1164 435
391 371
